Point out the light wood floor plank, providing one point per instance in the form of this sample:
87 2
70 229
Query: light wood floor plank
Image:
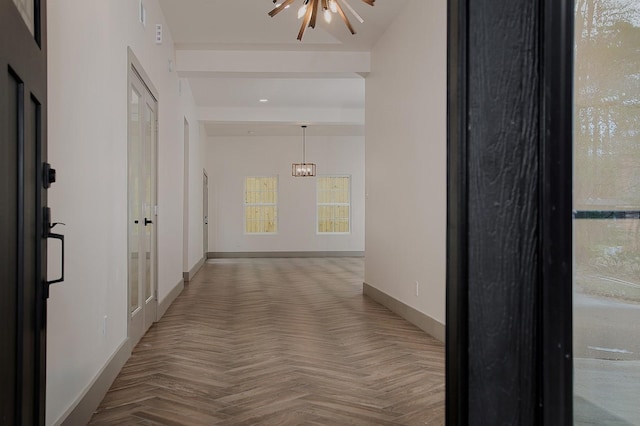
279 342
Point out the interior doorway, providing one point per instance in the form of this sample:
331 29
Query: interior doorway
142 208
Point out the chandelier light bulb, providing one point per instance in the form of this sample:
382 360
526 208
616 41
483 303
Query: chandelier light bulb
302 11
327 16
333 6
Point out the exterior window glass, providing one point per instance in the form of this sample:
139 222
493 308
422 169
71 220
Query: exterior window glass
334 204
261 205
606 242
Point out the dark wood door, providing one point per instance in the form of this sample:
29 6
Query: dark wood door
23 100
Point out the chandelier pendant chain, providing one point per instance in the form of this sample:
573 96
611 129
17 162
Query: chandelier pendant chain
304 144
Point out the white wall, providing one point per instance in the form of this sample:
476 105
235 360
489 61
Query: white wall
230 159
197 141
88 43
406 159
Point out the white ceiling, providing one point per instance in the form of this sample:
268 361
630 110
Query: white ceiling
209 26
245 24
280 92
279 129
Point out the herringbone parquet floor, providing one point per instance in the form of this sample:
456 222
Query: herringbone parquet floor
279 342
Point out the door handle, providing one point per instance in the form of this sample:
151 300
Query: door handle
61 238
147 221
48 234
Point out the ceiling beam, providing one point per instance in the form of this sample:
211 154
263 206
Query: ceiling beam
202 62
344 116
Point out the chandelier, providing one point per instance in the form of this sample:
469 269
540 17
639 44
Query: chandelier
309 10
303 169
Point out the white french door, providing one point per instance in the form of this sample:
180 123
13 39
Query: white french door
142 122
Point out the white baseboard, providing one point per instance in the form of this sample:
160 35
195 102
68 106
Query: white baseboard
86 404
281 254
168 300
188 276
415 317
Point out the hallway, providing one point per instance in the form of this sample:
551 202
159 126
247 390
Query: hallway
279 341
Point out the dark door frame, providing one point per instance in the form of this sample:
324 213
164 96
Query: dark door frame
509 234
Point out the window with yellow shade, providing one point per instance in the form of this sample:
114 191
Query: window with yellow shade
261 205
334 204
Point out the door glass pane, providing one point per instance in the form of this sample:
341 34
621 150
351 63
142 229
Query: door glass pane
27 10
134 198
606 306
149 126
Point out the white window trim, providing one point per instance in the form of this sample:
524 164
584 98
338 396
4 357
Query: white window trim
245 205
318 204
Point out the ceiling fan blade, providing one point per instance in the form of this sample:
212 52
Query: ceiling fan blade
280 8
344 18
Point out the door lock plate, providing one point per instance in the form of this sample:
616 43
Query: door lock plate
48 175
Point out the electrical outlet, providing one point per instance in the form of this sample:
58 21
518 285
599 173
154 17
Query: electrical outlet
104 326
417 288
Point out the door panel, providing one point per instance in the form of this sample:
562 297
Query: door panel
23 288
185 200
8 250
135 216
32 235
149 240
142 201
205 214
147 156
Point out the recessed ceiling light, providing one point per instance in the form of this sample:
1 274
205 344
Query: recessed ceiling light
263 100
